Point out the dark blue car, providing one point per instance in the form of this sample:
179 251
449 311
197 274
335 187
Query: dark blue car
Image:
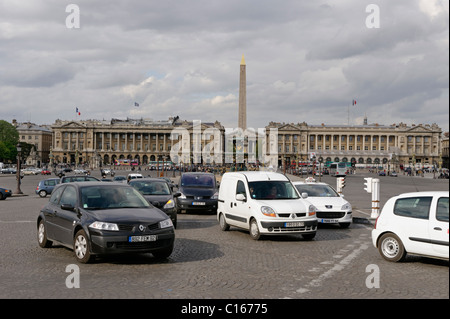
46 186
4 193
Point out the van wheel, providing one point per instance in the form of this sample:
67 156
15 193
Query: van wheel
223 223
391 247
254 230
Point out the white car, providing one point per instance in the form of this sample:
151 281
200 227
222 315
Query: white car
265 203
331 207
413 223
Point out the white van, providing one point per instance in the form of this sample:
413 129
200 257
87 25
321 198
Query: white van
265 203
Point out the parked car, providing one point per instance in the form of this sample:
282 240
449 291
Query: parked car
199 192
331 207
5 193
413 223
95 218
30 171
158 193
265 203
46 186
68 179
8 170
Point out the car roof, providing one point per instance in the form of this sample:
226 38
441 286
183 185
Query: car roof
426 193
309 183
257 176
149 179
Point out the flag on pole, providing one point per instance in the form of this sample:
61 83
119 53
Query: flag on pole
78 112
354 102
136 104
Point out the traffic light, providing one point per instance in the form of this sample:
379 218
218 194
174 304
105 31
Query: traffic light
341 182
368 184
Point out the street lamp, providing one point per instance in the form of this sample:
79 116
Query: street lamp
19 153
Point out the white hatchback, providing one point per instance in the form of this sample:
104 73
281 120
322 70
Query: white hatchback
413 223
332 208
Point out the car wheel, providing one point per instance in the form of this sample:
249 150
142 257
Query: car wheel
42 193
391 247
42 236
254 230
223 223
1 196
81 247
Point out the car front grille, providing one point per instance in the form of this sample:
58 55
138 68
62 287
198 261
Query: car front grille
330 214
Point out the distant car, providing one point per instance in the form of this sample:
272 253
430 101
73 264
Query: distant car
46 186
68 179
413 223
46 172
393 174
381 173
331 207
5 193
30 171
80 171
158 193
104 218
120 179
9 170
134 176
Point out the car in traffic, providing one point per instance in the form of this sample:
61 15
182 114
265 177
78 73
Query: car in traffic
82 178
199 192
265 203
95 218
134 176
46 172
120 179
331 207
8 170
5 193
413 223
46 186
30 171
158 193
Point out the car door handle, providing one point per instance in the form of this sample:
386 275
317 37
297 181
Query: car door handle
438 228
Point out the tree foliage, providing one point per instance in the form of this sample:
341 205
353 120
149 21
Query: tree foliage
8 141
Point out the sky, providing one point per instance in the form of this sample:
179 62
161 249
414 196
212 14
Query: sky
306 61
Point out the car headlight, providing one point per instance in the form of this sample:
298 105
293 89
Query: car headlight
166 223
170 204
346 206
312 210
104 226
268 211
215 196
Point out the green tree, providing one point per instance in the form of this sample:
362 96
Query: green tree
8 141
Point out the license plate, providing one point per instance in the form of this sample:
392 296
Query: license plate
294 224
139 239
329 221
199 203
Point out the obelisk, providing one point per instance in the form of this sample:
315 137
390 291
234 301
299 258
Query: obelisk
242 117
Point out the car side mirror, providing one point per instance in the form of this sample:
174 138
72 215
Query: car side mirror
177 194
305 195
241 198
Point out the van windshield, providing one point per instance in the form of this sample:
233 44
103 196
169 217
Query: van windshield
272 190
192 180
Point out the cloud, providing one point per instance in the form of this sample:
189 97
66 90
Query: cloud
306 60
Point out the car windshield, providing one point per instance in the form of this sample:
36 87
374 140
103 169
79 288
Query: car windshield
317 190
193 180
101 197
272 190
151 187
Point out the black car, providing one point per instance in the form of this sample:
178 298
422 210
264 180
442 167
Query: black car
199 192
4 193
158 193
95 218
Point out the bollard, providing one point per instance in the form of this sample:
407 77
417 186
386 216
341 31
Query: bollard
375 198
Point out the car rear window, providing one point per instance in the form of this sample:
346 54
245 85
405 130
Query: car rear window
413 207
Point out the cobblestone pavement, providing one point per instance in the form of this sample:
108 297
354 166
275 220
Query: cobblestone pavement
209 263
